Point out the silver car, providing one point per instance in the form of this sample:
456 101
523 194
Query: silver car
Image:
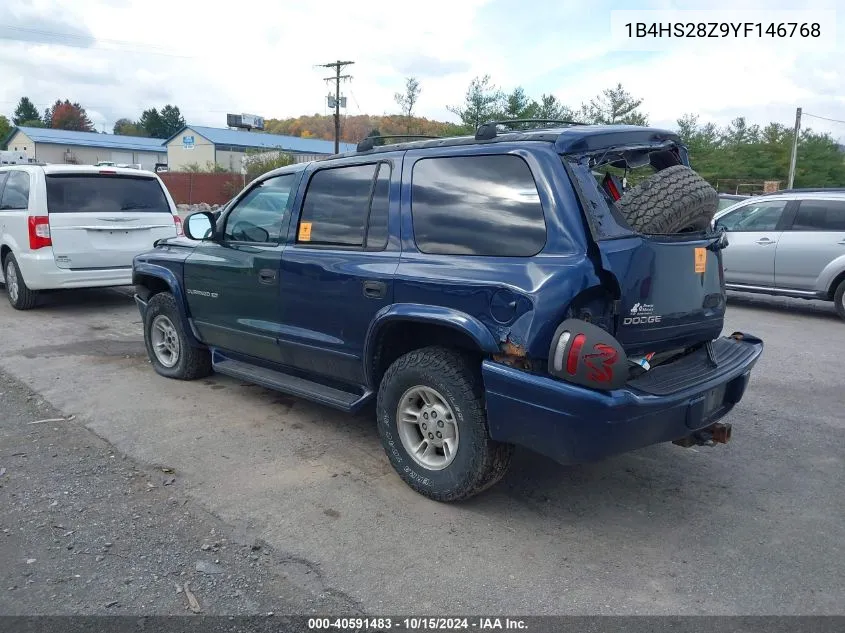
789 243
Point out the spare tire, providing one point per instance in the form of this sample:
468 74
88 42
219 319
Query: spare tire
674 200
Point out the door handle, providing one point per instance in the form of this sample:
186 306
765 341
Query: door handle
765 241
266 276
375 289
841 242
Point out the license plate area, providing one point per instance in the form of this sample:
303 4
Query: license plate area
713 400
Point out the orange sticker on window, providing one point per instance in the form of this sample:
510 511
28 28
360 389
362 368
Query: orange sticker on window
304 231
700 260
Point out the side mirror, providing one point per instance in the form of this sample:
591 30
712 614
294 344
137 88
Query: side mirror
200 226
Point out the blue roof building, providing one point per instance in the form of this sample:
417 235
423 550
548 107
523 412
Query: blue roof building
199 145
48 145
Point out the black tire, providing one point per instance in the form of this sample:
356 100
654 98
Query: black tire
24 298
673 200
190 362
839 299
478 461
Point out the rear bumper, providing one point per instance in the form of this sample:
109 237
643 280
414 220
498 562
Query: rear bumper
40 272
573 424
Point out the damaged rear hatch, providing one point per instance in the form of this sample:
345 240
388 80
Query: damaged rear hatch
670 288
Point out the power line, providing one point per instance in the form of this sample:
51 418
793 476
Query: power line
823 118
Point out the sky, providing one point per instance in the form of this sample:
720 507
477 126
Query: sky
119 57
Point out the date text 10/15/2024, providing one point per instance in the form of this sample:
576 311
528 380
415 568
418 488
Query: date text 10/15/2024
417 624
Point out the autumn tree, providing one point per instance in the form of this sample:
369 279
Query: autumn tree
65 115
612 106
408 99
129 128
25 112
483 102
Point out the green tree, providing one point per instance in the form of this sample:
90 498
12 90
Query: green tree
612 106
25 112
171 121
550 108
519 106
260 162
151 122
5 130
126 127
408 100
483 102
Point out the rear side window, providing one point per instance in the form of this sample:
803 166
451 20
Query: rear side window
346 207
820 215
90 193
16 191
476 205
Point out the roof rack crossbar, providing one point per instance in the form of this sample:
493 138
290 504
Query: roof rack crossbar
369 142
487 131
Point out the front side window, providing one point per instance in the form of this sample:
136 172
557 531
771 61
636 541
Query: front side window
477 205
820 215
16 191
346 207
259 215
756 216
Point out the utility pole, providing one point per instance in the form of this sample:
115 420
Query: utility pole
338 67
794 148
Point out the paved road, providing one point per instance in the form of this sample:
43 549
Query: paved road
755 527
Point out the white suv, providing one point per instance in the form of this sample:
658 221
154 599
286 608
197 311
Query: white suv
77 226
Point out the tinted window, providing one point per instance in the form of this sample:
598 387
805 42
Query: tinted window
336 206
259 215
377 231
820 215
477 205
90 193
760 216
16 191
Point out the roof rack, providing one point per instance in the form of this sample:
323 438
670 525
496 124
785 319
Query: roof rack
369 142
487 131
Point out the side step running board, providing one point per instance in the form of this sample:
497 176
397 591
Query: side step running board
293 385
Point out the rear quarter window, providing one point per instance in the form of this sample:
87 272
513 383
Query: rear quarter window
91 193
477 205
15 191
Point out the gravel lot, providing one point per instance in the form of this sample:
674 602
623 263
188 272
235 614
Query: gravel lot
754 527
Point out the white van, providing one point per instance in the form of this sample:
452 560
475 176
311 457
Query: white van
77 226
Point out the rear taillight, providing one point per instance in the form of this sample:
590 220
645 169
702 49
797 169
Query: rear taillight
574 356
585 354
178 222
39 232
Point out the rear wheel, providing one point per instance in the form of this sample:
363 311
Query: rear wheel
839 299
673 200
20 296
168 348
433 425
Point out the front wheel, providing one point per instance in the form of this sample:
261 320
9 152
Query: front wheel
433 425
168 347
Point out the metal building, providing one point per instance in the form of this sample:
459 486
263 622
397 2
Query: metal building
198 145
48 145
